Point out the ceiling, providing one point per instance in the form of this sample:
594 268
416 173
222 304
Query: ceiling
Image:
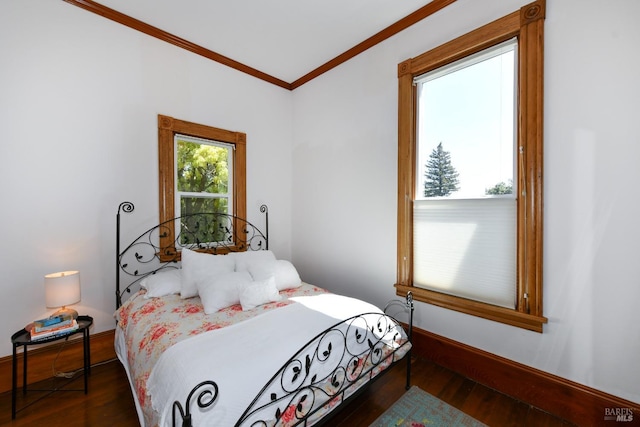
286 39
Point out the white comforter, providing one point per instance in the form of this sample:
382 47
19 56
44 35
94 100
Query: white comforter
243 357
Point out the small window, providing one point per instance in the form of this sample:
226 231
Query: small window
204 175
201 169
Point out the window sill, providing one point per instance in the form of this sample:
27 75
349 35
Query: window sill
475 308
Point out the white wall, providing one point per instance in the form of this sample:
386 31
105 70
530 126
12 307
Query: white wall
79 102
345 169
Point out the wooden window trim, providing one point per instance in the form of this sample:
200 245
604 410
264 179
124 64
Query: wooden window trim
167 128
527 25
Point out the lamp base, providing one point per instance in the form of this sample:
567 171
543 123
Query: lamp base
66 311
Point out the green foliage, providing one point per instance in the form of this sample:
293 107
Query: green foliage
500 188
441 178
204 169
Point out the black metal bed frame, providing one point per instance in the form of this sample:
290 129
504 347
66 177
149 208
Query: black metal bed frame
158 248
303 385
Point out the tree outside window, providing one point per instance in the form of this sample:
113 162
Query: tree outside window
441 178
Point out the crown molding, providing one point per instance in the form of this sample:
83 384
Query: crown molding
152 31
113 15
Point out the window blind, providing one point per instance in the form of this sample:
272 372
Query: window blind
466 248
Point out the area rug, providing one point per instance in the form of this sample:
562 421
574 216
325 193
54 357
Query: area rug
417 408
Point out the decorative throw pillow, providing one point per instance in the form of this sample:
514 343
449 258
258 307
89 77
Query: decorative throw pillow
258 293
201 267
165 282
223 291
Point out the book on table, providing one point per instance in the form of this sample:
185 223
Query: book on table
53 322
51 332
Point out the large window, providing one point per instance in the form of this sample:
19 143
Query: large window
201 169
464 204
470 172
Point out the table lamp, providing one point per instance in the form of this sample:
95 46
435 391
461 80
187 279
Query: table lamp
62 289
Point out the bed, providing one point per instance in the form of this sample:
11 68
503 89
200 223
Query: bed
214 329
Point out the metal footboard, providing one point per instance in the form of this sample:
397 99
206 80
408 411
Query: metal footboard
327 371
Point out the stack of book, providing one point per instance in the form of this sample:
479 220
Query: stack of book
52 326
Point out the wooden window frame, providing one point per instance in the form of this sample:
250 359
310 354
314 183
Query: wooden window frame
168 127
527 25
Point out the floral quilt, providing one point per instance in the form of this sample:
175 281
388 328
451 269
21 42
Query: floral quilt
153 325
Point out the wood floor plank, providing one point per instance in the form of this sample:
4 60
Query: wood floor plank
515 413
503 406
456 391
481 403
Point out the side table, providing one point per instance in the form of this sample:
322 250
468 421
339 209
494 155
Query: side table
23 338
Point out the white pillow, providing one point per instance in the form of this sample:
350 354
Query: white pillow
223 291
245 259
285 274
201 267
258 293
165 282
263 269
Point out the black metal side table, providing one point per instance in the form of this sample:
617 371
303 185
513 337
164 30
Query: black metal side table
23 338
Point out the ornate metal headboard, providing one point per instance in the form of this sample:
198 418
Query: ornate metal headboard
159 247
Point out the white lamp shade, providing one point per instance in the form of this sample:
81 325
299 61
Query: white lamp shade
62 288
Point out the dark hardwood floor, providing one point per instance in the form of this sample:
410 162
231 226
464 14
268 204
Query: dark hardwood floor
109 402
